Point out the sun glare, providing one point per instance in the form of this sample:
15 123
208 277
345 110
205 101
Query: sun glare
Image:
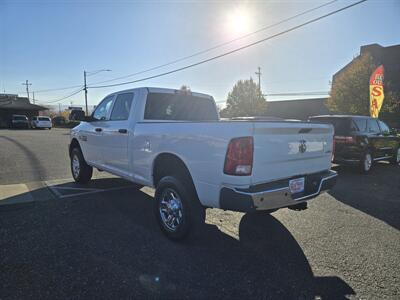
238 22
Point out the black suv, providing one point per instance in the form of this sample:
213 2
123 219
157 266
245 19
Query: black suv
361 140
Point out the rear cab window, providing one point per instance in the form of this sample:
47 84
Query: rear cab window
20 118
361 124
44 119
342 126
179 107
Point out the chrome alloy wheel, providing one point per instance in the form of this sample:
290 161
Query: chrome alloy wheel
76 167
367 162
171 209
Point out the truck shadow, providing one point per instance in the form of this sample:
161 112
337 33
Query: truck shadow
108 245
376 194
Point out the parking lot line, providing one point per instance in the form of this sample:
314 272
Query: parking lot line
58 189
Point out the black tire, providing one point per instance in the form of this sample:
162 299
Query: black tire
366 163
189 211
84 173
395 160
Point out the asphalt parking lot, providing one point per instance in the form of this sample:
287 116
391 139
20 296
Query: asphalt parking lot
101 241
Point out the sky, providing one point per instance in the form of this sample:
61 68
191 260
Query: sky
51 43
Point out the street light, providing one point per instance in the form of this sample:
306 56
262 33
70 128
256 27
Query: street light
90 73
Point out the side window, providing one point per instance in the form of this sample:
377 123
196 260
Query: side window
353 126
361 124
103 109
373 126
122 107
384 128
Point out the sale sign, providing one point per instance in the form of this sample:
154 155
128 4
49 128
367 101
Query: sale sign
376 94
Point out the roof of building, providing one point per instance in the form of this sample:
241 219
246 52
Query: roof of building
14 102
297 109
382 55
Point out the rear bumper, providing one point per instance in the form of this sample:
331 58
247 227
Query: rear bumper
38 125
275 195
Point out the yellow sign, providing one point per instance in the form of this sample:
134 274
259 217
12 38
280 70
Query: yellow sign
376 94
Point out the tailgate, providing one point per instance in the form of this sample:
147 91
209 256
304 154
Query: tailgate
287 149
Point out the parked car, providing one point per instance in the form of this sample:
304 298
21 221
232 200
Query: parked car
19 121
174 141
77 114
362 140
58 121
41 122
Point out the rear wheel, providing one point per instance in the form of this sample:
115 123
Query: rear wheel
395 160
177 208
81 171
366 163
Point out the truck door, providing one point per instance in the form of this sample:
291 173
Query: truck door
375 139
116 134
91 135
388 140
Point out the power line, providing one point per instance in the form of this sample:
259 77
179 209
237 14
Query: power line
197 53
235 50
58 89
65 97
219 45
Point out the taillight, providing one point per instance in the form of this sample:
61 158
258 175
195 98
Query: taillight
344 139
239 157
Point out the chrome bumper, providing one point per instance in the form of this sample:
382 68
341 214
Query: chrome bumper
275 194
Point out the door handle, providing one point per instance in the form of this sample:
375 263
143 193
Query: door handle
122 130
98 130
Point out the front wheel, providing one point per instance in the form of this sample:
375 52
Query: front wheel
81 171
395 160
177 208
366 163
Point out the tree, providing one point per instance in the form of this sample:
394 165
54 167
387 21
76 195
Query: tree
350 89
245 100
185 88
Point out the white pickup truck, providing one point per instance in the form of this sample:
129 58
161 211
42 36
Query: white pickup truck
175 142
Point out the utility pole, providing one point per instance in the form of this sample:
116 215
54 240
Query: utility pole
27 84
85 74
85 89
59 109
33 96
259 80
